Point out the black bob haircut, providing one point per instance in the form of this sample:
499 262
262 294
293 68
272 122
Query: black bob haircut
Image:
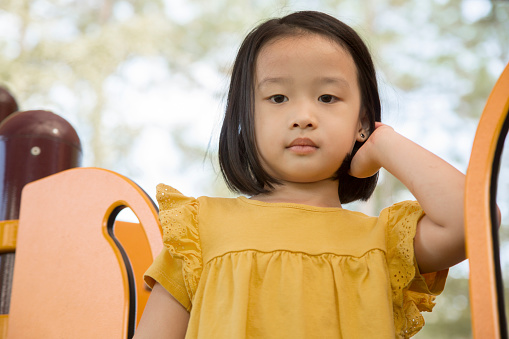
238 156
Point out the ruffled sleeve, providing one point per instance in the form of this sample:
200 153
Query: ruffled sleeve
178 268
412 292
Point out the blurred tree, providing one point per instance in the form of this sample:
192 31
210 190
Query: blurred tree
74 47
441 56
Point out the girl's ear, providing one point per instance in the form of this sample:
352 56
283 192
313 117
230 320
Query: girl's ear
362 128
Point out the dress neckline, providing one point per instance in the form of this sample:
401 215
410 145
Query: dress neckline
292 205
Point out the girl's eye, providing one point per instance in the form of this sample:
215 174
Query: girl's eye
278 99
327 98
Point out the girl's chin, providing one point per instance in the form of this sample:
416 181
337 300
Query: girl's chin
299 180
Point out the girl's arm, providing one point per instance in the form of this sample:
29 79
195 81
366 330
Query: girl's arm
438 187
163 317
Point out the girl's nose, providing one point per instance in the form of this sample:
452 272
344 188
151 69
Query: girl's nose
303 124
304 119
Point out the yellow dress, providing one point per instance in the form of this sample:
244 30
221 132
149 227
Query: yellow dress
249 269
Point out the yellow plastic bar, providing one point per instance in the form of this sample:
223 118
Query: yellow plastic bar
479 242
8 234
3 325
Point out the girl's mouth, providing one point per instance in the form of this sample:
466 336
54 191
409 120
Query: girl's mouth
302 146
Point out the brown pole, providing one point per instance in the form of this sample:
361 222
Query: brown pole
8 104
33 145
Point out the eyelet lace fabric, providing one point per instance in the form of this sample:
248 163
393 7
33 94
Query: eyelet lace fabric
177 214
412 292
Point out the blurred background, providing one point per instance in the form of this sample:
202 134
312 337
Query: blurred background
144 83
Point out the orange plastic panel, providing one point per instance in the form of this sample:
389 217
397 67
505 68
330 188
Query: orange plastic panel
483 294
131 236
70 280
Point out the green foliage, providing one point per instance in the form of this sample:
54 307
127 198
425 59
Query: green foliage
450 318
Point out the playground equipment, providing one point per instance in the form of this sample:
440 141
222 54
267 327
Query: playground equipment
8 104
486 286
33 144
75 276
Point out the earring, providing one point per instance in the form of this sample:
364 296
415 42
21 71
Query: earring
362 136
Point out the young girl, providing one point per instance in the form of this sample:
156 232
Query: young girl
302 136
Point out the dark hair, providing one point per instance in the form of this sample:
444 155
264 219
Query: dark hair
238 156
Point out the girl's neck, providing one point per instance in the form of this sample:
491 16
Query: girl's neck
321 194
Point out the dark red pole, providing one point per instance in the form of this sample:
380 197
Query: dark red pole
8 104
33 145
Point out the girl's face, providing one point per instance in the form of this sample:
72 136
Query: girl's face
307 104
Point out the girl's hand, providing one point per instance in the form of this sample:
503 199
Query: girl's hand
366 162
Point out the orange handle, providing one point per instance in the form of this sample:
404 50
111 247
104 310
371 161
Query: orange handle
478 219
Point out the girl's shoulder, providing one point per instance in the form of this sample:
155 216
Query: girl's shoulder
400 221
176 208
169 197
401 210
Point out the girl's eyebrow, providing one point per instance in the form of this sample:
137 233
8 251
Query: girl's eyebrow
274 80
334 80
340 81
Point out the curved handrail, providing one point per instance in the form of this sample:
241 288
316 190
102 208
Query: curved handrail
486 289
